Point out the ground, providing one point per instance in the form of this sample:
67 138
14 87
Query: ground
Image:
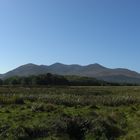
70 113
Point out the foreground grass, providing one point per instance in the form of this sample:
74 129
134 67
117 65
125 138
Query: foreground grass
70 113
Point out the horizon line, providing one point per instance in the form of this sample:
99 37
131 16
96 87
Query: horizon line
68 65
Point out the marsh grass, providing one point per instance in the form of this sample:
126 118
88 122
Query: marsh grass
69 113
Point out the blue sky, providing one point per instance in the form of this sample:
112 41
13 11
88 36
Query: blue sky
70 32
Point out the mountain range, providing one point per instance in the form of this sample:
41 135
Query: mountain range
119 75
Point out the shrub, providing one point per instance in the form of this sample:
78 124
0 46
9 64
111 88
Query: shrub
41 107
38 107
36 131
15 133
11 100
101 127
76 128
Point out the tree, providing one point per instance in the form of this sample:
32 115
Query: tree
1 82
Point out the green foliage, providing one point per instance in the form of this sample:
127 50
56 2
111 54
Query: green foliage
85 81
1 82
69 113
77 127
41 107
51 79
46 79
11 100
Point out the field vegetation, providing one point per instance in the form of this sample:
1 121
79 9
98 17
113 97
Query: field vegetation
69 112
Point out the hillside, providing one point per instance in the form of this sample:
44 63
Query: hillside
93 70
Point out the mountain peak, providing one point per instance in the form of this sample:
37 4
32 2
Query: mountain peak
29 64
57 63
93 70
96 66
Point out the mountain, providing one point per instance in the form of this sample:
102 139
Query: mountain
93 70
26 70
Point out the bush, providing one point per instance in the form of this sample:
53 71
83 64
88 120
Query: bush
42 107
11 100
76 128
105 128
38 107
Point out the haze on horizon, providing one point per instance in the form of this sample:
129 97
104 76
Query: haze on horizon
70 32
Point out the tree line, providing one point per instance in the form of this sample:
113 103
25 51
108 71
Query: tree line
44 79
52 79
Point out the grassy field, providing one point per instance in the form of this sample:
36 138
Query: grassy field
70 113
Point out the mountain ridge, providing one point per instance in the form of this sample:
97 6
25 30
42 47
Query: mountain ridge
92 70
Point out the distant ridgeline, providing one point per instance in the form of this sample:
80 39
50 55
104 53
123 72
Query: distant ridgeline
52 79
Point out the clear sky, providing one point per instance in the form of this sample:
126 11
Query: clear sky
70 32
